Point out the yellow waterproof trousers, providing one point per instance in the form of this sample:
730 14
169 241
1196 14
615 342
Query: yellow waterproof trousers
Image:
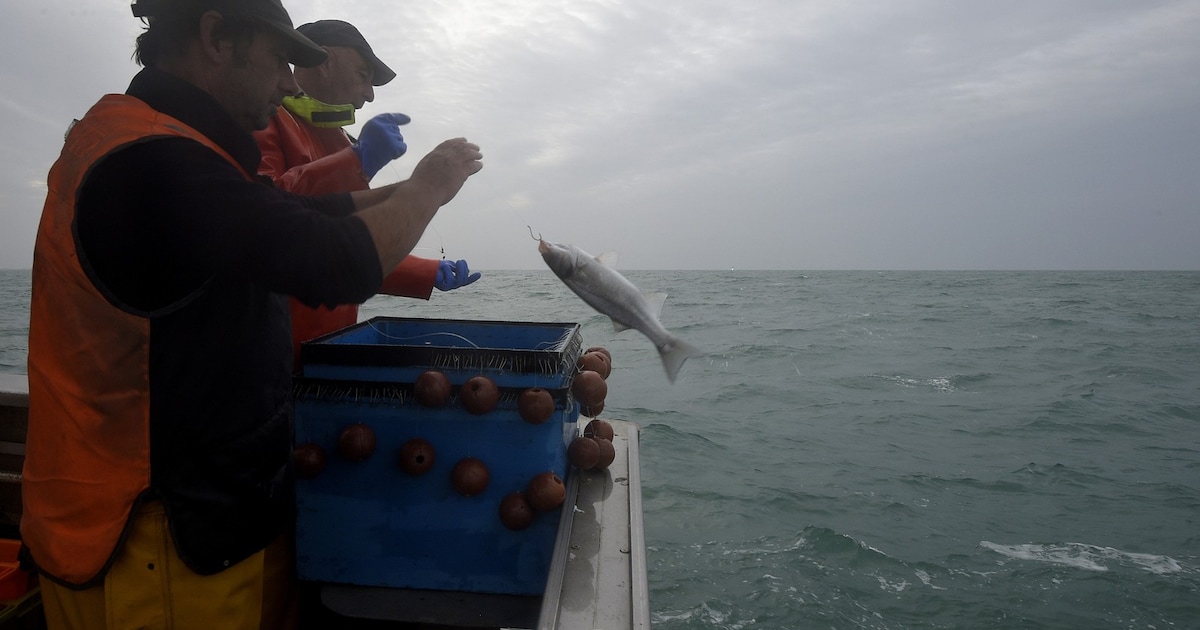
149 587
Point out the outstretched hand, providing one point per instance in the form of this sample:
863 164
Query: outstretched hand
445 169
380 142
454 274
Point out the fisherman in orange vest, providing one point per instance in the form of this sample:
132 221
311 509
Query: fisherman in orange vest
306 150
157 484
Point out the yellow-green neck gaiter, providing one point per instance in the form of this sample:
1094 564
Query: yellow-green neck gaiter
319 114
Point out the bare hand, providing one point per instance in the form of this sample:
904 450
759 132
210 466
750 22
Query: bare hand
445 169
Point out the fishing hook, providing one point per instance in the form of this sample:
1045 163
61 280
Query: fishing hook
536 238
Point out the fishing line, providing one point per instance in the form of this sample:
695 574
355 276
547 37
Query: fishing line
441 241
511 207
381 333
496 192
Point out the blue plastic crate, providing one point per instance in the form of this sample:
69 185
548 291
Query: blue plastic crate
397 350
370 523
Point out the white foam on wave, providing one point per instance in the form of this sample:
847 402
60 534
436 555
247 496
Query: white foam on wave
1087 557
938 384
927 580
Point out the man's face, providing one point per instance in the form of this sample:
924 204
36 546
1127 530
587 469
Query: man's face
256 80
349 79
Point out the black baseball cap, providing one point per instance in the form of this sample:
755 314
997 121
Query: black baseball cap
301 50
339 33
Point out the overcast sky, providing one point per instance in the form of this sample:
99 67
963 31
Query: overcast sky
751 134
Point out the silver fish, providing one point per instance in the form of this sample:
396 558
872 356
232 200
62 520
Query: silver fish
610 293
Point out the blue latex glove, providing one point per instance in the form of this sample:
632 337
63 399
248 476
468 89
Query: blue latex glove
380 142
454 274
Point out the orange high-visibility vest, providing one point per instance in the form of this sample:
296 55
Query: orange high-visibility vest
88 445
308 160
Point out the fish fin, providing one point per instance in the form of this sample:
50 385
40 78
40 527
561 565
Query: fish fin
655 300
608 259
674 352
618 326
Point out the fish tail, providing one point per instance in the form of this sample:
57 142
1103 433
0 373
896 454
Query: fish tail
674 352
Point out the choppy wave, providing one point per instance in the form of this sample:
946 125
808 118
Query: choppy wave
1089 557
944 384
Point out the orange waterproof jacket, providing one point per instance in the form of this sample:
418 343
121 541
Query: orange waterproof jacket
310 160
88 449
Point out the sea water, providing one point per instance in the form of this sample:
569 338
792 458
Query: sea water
892 449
